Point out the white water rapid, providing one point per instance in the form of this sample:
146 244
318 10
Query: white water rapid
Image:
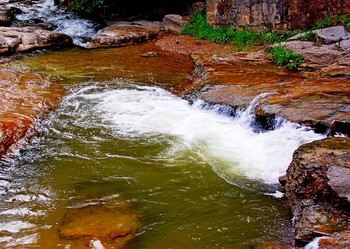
229 143
81 30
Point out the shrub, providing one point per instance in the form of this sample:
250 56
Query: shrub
87 6
286 58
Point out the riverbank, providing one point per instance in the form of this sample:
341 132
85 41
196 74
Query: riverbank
236 79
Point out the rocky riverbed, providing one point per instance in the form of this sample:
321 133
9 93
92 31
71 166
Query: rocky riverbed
317 180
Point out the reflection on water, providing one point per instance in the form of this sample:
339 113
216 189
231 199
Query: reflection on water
197 179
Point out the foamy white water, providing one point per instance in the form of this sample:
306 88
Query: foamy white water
235 148
314 244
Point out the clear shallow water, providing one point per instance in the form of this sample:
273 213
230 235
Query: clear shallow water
198 179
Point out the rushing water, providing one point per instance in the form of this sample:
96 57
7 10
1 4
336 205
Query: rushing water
56 18
199 179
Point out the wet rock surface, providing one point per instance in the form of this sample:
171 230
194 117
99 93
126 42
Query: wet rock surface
124 33
29 38
7 15
111 224
318 189
339 240
24 97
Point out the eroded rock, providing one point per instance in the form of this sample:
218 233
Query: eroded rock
124 33
111 223
339 240
317 188
278 14
174 23
28 38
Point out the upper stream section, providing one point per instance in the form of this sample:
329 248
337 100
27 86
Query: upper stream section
46 14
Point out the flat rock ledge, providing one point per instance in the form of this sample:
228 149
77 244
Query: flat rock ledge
30 38
125 33
318 192
328 55
240 79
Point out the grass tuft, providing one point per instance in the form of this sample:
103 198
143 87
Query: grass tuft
286 58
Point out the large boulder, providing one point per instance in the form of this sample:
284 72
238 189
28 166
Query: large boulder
318 188
29 38
125 33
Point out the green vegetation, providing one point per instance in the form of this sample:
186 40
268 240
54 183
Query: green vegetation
87 6
286 58
200 28
332 20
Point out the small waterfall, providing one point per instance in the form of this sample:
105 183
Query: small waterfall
58 19
228 142
314 244
247 117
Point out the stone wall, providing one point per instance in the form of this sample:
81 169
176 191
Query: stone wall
304 13
277 14
254 13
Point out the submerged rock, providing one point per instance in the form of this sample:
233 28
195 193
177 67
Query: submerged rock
111 224
124 33
28 38
318 188
24 97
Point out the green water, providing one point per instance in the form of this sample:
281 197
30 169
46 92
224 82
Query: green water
183 196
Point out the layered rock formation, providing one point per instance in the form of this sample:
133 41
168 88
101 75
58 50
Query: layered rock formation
29 38
328 55
278 14
318 190
261 13
236 79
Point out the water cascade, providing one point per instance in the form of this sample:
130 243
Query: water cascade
56 18
166 156
198 175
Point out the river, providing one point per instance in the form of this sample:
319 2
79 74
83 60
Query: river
197 176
